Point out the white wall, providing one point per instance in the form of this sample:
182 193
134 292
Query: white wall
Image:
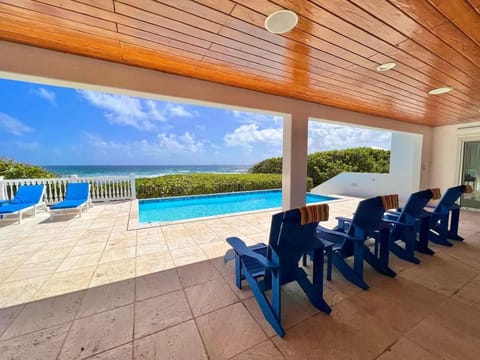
21 62
445 159
403 178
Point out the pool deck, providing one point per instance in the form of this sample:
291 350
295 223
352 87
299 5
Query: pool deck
91 289
44 257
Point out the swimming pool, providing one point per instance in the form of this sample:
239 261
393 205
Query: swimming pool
189 207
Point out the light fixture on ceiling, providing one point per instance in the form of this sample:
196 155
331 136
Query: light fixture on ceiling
281 21
386 67
440 90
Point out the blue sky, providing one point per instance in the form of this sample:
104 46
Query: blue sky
49 125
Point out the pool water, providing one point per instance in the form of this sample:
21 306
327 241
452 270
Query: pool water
190 207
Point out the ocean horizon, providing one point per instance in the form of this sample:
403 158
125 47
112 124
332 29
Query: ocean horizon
142 170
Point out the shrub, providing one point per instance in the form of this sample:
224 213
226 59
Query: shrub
10 169
268 166
324 165
197 184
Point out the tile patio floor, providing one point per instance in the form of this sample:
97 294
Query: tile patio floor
89 289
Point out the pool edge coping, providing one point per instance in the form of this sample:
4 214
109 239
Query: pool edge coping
135 224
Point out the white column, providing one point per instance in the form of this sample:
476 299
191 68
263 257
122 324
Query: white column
133 188
3 193
294 175
405 164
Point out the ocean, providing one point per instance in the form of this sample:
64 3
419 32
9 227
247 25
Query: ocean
142 170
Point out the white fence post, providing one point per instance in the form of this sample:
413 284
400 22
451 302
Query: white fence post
133 188
3 193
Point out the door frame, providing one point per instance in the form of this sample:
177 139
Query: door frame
465 135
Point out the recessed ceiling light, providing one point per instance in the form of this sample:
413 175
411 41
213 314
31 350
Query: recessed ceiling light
281 21
441 90
386 66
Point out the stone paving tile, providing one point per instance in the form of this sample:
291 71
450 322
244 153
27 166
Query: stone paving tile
229 331
44 314
76 262
49 254
106 297
156 284
441 273
40 345
264 350
65 282
406 349
470 293
97 333
7 316
348 332
6 272
160 312
188 255
152 263
110 255
19 292
123 352
208 296
26 271
90 248
450 332
181 342
197 273
152 248
113 271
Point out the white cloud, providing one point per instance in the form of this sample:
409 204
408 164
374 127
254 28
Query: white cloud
182 143
50 96
154 111
323 136
100 143
245 117
176 110
246 135
164 145
13 126
123 110
130 111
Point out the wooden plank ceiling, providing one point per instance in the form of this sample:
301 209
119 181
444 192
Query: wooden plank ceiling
329 58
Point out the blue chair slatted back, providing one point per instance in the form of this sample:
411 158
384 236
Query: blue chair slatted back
447 202
367 217
28 194
366 220
413 209
289 240
77 191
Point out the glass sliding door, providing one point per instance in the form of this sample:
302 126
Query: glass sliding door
471 174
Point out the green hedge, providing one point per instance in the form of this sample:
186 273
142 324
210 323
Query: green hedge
197 184
324 165
10 169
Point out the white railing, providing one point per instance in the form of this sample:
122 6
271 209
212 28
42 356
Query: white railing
102 188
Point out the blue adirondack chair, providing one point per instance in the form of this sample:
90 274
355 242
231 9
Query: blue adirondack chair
446 215
349 236
27 197
268 267
407 222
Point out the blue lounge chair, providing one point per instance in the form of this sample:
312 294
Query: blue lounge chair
27 197
407 222
268 267
349 236
446 215
77 197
